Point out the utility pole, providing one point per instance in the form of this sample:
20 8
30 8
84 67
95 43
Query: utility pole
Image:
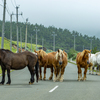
74 39
42 43
83 47
31 42
21 38
91 43
36 30
3 25
54 40
11 32
26 35
17 25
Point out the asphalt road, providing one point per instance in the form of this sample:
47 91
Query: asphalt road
69 89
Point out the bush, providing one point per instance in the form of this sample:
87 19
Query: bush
72 54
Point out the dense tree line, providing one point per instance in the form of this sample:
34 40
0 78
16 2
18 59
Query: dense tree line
64 39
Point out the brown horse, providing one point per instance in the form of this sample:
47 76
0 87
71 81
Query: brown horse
20 50
45 60
10 60
82 61
60 64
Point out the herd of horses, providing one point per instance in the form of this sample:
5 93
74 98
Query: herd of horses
56 61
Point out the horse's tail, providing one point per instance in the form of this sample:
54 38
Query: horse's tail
36 69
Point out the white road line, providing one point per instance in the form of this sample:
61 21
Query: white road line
53 89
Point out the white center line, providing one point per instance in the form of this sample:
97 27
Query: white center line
53 89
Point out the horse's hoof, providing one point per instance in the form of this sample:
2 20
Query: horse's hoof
30 83
50 78
78 80
40 78
44 79
83 79
54 80
7 83
1 83
61 80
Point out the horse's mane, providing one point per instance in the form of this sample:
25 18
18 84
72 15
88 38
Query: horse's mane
42 53
96 54
6 50
59 50
82 53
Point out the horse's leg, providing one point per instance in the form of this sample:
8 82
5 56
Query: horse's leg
85 71
62 73
44 73
79 72
32 75
8 74
55 72
3 76
40 73
58 74
90 69
97 69
93 70
50 78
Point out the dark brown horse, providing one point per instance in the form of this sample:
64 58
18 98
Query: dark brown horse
10 60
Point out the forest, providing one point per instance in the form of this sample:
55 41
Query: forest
64 38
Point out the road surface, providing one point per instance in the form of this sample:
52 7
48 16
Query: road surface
69 89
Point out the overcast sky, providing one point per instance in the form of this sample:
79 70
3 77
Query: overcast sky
82 16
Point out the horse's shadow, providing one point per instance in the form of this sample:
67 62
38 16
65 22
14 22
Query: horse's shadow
73 80
19 85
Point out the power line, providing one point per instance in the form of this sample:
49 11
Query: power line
1 5
15 2
12 4
7 9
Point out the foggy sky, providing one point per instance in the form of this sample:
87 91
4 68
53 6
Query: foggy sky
82 16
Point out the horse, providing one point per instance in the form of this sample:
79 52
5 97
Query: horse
59 65
45 60
95 60
17 61
19 50
82 61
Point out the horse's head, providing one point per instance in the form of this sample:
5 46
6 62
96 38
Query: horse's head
40 53
86 55
59 56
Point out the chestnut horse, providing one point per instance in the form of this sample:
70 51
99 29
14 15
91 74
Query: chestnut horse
45 60
10 60
82 61
59 65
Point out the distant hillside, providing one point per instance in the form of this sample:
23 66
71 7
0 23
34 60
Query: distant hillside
63 40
